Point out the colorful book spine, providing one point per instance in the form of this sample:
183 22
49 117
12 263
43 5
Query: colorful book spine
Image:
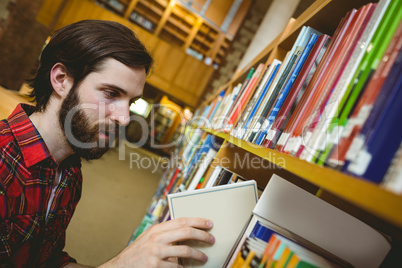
233 109
281 99
244 97
381 145
297 91
290 140
225 111
271 72
327 111
336 154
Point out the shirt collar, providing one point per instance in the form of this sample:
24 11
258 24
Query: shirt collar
32 146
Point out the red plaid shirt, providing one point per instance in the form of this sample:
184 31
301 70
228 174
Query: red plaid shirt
27 172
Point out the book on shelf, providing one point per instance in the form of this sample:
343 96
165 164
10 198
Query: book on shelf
224 95
214 107
232 109
287 66
362 76
228 206
255 116
319 227
317 127
284 92
203 166
200 161
220 118
272 69
297 91
381 138
255 96
336 157
317 91
382 38
243 97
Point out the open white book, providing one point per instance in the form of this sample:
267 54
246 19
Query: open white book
228 206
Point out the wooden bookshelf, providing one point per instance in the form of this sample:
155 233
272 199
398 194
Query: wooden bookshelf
366 201
362 193
182 25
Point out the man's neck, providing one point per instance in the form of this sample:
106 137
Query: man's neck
48 126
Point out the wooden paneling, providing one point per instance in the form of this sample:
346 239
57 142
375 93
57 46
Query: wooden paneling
217 10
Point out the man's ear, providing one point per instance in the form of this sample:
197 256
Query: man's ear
60 79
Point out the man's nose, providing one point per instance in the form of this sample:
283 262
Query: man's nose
120 113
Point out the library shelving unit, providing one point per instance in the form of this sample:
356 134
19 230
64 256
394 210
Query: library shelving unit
362 199
199 32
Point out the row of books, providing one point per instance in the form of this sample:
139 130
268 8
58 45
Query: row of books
315 232
278 251
333 101
275 231
304 231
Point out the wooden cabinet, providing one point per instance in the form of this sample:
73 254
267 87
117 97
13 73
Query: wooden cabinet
169 33
203 29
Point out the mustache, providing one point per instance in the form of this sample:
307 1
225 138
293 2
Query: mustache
108 128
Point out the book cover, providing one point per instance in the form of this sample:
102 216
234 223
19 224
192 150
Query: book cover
291 136
253 124
284 93
362 109
289 64
250 104
371 59
297 90
232 109
381 143
228 206
244 97
326 112
271 72
225 112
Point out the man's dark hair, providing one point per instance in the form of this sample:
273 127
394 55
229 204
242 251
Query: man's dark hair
81 47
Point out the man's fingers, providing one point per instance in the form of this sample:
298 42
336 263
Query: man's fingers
182 251
199 223
182 234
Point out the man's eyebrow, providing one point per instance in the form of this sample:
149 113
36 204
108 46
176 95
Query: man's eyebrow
122 91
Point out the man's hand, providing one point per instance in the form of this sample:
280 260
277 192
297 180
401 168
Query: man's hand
156 246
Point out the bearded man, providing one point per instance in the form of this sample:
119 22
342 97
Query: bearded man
89 74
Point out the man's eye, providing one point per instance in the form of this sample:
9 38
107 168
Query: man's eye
111 94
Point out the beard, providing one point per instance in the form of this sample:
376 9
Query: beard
82 136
